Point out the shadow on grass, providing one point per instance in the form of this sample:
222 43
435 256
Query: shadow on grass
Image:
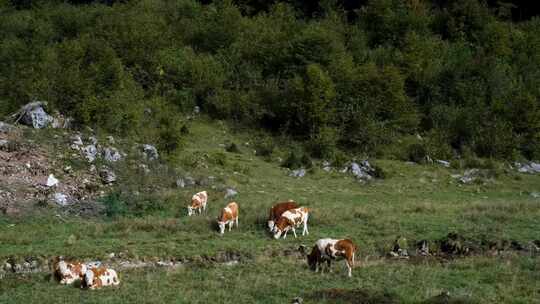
356 296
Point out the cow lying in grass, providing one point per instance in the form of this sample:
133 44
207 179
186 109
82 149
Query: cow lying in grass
95 278
68 272
290 220
277 210
326 250
229 215
198 203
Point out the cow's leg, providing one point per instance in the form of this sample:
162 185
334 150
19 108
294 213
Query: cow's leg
305 230
329 265
230 225
237 222
294 232
285 234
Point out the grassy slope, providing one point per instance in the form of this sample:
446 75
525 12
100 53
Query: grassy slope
419 202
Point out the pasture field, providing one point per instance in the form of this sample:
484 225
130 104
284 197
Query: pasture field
414 201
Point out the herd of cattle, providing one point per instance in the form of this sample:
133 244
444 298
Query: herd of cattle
283 217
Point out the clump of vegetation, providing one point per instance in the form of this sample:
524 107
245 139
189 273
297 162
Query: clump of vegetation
296 160
232 148
357 77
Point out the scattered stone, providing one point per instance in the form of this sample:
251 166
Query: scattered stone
34 115
230 193
51 181
362 170
186 181
107 175
326 166
110 139
61 122
150 152
444 163
93 140
90 153
61 199
531 167
297 300
111 154
468 176
4 144
5 128
76 142
144 168
196 110
298 173
422 248
535 194
400 248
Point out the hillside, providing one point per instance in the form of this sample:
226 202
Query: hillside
139 224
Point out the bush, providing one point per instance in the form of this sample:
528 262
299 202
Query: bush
114 205
296 160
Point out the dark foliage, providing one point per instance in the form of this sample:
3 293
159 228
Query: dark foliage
356 76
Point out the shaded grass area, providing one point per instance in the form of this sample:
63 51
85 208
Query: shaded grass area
418 202
474 280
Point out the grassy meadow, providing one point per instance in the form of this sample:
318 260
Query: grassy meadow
414 201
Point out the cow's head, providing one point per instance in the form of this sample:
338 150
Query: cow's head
221 225
190 211
88 279
271 225
281 226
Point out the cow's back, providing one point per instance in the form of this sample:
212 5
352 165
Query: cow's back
277 210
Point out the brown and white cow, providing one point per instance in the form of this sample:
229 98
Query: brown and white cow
95 278
326 250
290 220
229 215
198 202
68 272
277 210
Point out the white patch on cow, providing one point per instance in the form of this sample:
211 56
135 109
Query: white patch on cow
88 278
297 213
271 225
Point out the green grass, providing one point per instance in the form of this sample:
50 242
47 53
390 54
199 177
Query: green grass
418 202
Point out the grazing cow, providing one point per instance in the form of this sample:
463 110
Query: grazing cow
95 278
229 215
277 210
326 250
68 272
198 202
290 220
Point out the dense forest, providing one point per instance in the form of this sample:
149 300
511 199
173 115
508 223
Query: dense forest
378 77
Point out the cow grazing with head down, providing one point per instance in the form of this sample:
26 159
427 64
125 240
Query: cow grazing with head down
327 250
229 215
198 203
68 272
277 210
290 220
95 278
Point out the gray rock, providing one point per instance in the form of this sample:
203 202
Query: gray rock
90 153
535 194
111 139
93 140
150 152
230 193
469 176
531 167
34 115
111 154
362 171
107 175
196 110
444 163
180 183
326 166
5 128
298 173
3 144
51 181
186 181
61 199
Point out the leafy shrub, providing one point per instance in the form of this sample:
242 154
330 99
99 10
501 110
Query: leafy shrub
114 205
296 160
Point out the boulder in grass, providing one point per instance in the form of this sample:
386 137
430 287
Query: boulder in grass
90 153
107 175
33 114
150 152
111 154
298 173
